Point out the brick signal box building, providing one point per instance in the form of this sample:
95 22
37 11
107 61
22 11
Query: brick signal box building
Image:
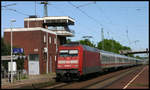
40 38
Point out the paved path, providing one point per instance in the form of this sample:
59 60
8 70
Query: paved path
32 80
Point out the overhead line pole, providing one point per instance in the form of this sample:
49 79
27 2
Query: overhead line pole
12 51
102 36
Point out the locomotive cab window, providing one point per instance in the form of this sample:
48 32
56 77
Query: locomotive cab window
68 53
73 53
63 53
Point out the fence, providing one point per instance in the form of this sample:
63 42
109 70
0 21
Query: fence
18 75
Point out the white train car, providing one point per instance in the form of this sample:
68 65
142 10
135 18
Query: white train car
112 60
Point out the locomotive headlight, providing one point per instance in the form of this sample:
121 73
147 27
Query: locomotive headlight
68 62
76 65
59 66
74 61
61 62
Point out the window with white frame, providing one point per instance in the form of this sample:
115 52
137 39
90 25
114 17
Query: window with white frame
54 40
55 58
50 40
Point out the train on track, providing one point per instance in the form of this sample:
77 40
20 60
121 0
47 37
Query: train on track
76 60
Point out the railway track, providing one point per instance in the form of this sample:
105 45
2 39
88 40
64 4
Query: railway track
108 81
101 81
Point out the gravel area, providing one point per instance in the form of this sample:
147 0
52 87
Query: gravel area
139 82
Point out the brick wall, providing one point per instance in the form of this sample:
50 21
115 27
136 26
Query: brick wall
31 40
33 24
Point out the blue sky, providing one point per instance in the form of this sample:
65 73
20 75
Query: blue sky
116 18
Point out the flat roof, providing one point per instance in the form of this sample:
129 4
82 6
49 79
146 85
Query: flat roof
50 18
28 29
57 32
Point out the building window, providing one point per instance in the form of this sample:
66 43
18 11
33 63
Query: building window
54 40
50 40
44 38
33 57
55 58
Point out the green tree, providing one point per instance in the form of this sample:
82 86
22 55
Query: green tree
6 50
68 40
87 42
112 46
138 57
20 63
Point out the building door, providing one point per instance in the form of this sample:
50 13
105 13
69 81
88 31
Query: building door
33 64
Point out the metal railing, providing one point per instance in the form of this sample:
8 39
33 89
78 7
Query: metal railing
17 75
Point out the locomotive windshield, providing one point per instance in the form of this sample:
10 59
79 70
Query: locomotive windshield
68 53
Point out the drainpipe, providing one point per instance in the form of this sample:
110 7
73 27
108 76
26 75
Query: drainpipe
56 43
47 50
56 47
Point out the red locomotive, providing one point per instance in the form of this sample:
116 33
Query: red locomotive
76 60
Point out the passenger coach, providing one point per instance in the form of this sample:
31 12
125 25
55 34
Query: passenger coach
76 60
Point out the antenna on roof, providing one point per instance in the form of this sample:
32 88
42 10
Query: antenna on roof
45 8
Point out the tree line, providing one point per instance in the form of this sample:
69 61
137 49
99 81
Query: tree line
106 45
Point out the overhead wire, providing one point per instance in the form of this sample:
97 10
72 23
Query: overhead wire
69 2
64 13
77 7
84 5
6 8
56 7
97 22
16 11
82 33
9 5
85 14
106 17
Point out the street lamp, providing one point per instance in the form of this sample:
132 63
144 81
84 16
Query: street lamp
13 20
